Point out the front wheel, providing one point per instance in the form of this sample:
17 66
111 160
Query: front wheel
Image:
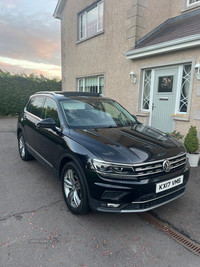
24 154
74 189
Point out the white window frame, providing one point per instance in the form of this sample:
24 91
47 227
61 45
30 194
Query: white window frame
188 3
85 21
84 78
187 6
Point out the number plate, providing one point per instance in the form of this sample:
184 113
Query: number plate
169 184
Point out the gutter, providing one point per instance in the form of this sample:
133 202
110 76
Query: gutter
171 46
59 9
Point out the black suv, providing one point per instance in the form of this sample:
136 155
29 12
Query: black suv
105 158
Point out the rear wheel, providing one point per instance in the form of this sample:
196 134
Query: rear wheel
24 154
74 189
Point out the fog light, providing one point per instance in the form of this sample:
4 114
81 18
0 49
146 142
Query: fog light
112 205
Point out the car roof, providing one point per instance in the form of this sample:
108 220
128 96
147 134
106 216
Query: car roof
63 95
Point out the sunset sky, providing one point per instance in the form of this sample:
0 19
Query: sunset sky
30 37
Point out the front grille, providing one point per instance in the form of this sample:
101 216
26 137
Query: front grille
155 202
155 167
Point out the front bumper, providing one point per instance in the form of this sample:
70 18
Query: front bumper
136 206
136 196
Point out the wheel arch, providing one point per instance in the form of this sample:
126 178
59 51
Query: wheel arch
19 130
66 159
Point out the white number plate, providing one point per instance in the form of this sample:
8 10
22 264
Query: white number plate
169 184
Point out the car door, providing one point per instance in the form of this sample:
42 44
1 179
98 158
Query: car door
48 141
32 116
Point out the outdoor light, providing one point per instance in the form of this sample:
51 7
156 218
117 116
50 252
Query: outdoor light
133 77
197 70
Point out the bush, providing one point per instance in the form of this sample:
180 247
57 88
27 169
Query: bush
191 142
176 134
16 89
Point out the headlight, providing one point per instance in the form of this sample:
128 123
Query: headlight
114 170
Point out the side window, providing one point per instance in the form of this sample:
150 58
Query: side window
50 111
30 104
35 106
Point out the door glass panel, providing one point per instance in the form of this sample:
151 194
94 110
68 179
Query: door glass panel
36 107
50 111
165 84
146 89
185 88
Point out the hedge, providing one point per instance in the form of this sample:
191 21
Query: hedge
16 89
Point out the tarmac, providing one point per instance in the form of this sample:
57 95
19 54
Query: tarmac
36 229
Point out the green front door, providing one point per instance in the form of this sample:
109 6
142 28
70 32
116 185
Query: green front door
164 98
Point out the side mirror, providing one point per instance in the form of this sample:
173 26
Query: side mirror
47 123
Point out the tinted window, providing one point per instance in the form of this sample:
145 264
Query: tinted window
35 106
95 113
30 104
50 111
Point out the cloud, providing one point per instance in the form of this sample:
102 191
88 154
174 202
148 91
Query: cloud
29 32
32 37
12 69
4 64
29 67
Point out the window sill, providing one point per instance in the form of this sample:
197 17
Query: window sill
88 38
180 117
142 114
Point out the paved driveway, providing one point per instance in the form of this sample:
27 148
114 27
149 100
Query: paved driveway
36 229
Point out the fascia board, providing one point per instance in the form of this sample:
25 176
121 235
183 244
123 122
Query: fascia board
178 44
59 8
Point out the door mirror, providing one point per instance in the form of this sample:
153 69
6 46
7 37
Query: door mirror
47 123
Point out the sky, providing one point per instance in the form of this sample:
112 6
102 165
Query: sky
30 38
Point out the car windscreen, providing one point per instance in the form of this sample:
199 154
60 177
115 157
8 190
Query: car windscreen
95 113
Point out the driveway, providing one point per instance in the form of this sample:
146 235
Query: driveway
36 228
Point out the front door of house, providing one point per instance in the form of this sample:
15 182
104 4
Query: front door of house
164 98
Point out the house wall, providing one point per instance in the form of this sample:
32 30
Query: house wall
124 23
102 54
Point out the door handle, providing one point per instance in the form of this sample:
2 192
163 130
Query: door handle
153 105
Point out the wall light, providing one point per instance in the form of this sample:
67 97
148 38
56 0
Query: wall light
197 70
133 77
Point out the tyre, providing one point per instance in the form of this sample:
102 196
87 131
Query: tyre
74 189
24 154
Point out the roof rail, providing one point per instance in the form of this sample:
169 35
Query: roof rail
46 92
75 93
70 93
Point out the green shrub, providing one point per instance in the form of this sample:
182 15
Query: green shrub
191 142
176 134
16 89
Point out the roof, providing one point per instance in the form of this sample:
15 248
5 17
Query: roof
175 33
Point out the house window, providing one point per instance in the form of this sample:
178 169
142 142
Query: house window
190 2
91 84
146 90
185 86
91 21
